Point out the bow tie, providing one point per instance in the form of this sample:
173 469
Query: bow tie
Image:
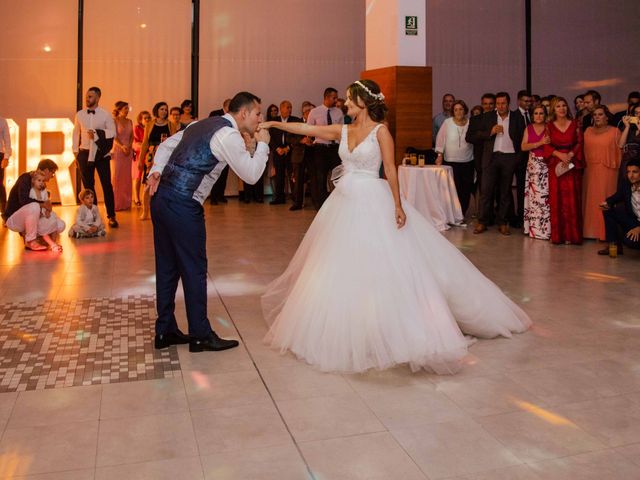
91 112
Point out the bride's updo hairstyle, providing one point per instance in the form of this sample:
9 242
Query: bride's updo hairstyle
368 92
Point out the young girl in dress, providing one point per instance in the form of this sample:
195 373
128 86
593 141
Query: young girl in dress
88 221
373 284
49 225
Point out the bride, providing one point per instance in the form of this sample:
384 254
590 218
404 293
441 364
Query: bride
373 284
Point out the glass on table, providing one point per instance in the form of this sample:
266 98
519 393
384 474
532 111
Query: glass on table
414 159
421 160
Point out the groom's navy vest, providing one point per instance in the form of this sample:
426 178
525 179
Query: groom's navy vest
192 159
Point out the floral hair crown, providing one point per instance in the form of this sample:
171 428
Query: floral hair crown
377 96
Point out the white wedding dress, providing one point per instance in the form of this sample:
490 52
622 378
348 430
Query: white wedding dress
360 293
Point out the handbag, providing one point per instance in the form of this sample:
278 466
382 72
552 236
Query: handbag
562 168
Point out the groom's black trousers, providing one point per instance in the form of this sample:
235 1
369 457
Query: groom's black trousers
179 239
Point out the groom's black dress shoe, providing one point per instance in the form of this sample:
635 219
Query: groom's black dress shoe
213 343
168 339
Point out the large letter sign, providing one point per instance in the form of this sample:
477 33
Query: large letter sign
35 127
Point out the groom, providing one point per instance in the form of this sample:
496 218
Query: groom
186 166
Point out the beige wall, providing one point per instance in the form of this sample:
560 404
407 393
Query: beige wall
284 49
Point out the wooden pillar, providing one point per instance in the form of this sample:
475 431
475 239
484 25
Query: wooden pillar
407 92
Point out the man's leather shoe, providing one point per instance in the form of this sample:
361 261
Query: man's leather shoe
213 343
168 339
504 229
113 223
480 228
295 207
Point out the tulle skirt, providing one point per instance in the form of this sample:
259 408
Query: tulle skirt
360 293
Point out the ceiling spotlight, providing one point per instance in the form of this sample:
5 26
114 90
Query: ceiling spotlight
46 48
143 25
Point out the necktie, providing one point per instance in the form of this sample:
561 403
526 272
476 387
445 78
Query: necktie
527 119
91 112
284 138
330 122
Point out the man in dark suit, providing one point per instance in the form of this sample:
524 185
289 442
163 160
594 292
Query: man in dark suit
501 133
300 157
622 225
516 218
281 148
591 100
488 103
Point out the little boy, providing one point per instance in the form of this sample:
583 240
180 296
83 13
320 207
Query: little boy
88 222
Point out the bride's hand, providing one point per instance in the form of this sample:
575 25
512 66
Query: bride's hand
265 125
401 217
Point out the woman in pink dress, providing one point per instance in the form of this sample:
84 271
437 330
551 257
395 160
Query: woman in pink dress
122 156
142 119
537 215
602 154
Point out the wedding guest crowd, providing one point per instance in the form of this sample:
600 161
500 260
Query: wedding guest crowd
563 164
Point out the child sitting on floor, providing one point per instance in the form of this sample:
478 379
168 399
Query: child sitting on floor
49 224
88 221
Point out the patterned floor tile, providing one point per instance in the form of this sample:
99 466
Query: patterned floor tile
56 343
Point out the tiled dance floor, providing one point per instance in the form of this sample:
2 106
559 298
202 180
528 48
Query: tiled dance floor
560 402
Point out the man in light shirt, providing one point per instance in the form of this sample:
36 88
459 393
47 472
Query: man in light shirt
438 120
93 133
501 133
186 165
325 156
5 153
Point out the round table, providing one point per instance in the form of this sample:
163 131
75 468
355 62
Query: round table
431 191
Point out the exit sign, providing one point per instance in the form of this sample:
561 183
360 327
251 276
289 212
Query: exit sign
411 25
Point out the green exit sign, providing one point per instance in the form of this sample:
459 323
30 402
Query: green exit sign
411 25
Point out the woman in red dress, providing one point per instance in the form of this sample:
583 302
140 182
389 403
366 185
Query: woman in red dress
565 190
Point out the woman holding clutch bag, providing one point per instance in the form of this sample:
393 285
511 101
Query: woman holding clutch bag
565 161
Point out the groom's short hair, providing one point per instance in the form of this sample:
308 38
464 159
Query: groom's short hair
242 99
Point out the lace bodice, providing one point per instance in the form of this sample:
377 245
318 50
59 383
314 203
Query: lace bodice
365 156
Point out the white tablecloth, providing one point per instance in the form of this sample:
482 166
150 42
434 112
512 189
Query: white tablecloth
432 192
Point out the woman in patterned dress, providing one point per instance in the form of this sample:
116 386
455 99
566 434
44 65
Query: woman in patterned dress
537 221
